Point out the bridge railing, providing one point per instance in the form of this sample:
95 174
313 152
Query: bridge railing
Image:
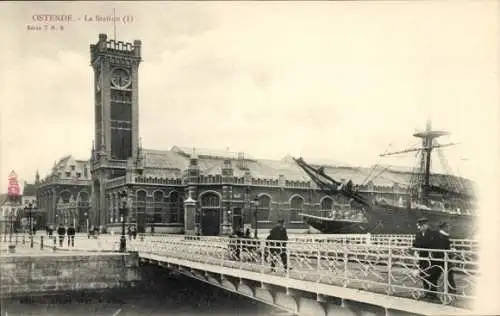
392 270
367 239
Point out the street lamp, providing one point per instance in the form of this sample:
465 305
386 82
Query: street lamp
256 203
229 219
87 223
29 208
12 210
123 214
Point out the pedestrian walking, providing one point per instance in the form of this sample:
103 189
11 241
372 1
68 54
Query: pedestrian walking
61 231
71 236
276 242
134 231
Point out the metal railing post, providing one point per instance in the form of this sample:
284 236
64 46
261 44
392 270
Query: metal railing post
31 241
346 265
41 242
262 247
389 268
54 247
318 259
287 249
445 277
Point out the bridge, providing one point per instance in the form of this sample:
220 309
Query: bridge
325 275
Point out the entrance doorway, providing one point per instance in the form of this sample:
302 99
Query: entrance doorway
141 223
210 222
237 219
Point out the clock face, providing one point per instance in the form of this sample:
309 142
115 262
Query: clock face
120 78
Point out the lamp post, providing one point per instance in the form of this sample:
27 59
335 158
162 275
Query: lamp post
123 214
229 220
256 203
87 223
12 210
29 209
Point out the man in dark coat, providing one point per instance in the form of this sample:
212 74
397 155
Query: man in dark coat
71 235
426 239
278 248
444 243
61 231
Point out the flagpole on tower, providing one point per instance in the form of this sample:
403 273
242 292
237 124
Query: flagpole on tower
114 24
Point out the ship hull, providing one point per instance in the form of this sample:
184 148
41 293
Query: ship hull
395 220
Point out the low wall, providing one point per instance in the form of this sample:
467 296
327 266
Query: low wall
45 273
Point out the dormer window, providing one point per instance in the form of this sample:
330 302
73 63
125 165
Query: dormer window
68 174
78 174
73 167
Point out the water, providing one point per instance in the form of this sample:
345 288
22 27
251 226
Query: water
159 294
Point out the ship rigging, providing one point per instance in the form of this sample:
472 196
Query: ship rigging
441 196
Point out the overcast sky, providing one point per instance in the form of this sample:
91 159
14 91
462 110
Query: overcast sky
339 81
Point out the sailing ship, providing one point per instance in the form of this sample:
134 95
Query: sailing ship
438 197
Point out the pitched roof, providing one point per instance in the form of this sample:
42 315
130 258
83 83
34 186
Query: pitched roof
172 162
29 189
69 168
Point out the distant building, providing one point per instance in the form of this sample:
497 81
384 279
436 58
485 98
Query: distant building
5 214
63 195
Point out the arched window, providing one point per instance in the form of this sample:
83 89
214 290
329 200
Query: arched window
210 200
141 202
141 196
264 208
327 204
83 199
175 213
65 196
84 196
296 207
158 206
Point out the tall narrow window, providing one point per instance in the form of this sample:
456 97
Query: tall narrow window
264 208
297 206
158 207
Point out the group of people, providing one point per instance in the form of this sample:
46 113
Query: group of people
62 231
432 262
132 231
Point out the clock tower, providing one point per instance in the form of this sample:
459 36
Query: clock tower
115 65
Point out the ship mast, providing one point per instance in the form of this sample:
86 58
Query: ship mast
428 136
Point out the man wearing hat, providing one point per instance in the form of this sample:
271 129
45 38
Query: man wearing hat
445 244
278 248
426 239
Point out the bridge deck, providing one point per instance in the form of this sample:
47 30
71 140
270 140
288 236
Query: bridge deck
387 273
388 302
